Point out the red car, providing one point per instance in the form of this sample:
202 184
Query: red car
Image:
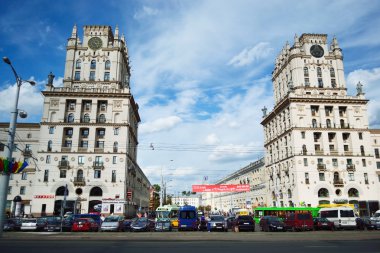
299 221
323 223
85 225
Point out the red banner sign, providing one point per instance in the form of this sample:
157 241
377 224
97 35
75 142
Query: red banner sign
221 188
44 196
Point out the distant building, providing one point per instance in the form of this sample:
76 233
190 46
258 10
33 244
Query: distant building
192 200
88 136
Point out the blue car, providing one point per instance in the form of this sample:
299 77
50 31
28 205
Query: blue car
187 218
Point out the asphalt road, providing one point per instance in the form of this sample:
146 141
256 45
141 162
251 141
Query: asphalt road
194 242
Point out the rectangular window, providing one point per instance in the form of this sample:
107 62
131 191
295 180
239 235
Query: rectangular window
48 159
84 144
106 76
378 165
85 133
114 158
349 161
321 176
62 174
69 132
307 178
46 176
305 163
320 160
100 144
77 76
80 160
87 106
332 148
24 176
113 176
307 82
320 83
9 189
364 163
97 173
303 135
51 130
366 178
351 177
345 147
116 131
92 76
377 155
22 190
68 144
101 133
333 83
360 136
335 162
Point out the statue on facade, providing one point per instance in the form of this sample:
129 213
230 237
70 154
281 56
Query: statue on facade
359 88
264 110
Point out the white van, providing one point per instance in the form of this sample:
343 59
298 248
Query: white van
343 217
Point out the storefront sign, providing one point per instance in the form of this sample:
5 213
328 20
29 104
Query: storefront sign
44 196
221 188
113 201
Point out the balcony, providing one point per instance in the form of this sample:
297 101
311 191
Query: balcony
82 149
98 150
334 152
338 182
349 153
98 165
345 126
319 152
65 149
321 167
79 181
351 168
64 165
27 153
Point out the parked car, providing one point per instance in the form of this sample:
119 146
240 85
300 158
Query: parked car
271 223
299 221
343 217
243 223
163 225
53 223
13 224
217 223
367 223
113 223
85 225
94 216
127 224
323 223
29 224
187 218
142 224
67 223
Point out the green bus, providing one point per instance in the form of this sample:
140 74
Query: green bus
281 212
168 212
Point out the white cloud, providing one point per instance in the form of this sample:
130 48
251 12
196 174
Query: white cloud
251 55
146 11
161 124
212 139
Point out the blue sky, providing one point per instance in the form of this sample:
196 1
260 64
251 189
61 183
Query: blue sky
201 70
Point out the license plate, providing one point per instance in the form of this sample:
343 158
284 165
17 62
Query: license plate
279 227
324 224
219 227
183 226
79 226
246 223
344 222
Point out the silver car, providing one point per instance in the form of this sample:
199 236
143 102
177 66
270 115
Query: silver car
217 223
29 224
113 223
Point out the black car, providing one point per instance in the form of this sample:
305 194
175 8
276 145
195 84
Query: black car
243 223
67 223
366 223
323 223
13 224
41 223
230 221
142 224
272 223
53 223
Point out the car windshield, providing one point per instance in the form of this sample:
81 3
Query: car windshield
53 219
111 219
273 218
323 220
162 214
347 213
303 216
217 218
376 215
187 214
245 218
30 221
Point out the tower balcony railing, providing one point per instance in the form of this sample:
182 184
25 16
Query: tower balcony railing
79 181
338 182
98 165
64 164
321 167
351 168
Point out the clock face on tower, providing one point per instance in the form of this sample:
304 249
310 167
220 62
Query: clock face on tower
316 51
95 43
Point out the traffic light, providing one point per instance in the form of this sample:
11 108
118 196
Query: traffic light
129 195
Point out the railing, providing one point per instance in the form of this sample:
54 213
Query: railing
98 150
351 167
79 181
65 149
82 149
98 165
338 182
27 153
321 167
64 164
319 152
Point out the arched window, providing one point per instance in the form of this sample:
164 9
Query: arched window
362 150
304 150
86 118
328 123
319 72
342 123
305 71
115 146
61 191
289 193
332 72
323 193
336 176
78 64
314 123
102 118
50 145
93 64
353 193
70 118
96 192
108 65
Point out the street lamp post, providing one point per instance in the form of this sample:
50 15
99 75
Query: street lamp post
4 177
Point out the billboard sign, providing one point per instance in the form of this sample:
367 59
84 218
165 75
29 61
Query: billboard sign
221 188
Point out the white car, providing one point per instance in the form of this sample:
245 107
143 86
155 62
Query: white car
29 224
